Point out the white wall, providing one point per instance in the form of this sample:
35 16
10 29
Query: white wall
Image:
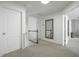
57 27
32 23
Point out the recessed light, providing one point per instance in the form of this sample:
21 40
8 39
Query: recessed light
44 2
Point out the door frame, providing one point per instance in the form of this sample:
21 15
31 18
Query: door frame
20 23
65 30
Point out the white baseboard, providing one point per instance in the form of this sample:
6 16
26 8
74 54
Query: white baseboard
51 40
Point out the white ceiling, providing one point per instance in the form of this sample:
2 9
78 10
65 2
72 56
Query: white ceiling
74 14
37 8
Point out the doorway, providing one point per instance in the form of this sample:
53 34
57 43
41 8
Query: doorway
73 38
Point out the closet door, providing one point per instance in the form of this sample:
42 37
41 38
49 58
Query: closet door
10 30
2 32
13 30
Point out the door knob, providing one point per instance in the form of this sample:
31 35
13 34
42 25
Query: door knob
3 33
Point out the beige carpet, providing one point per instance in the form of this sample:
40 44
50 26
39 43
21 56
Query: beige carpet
43 49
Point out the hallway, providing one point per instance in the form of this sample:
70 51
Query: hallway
43 49
23 23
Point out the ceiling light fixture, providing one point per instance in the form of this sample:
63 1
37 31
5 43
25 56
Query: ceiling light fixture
44 2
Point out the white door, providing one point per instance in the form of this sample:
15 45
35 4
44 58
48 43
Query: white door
2 40
10 30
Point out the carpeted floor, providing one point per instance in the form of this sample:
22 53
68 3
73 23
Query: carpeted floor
43 49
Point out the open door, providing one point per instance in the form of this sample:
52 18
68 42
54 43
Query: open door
66 30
